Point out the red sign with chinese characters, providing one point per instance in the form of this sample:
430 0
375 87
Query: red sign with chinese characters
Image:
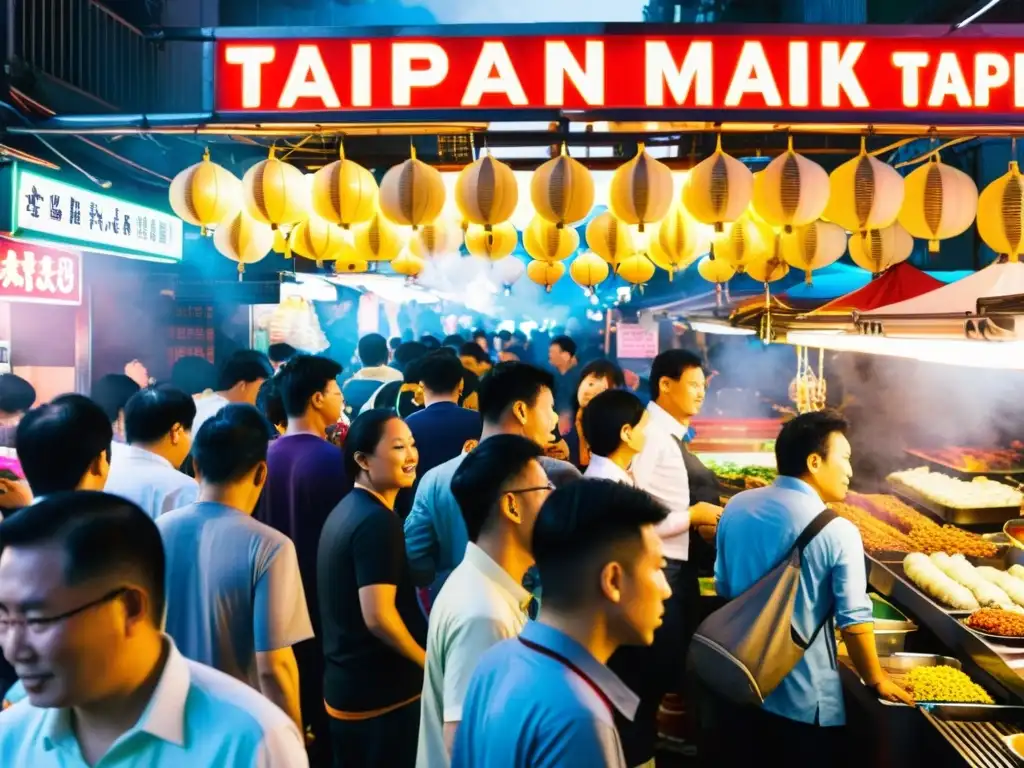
902 74
39 273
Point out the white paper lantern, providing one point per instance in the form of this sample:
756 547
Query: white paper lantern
791 191
814 246
718 189
940 202
878 249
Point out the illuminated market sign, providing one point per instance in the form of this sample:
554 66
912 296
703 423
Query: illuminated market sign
53 210
867 73
37 273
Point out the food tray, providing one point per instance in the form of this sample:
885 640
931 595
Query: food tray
982 516
966 474
998 639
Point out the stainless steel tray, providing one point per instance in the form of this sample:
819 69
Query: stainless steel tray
955 515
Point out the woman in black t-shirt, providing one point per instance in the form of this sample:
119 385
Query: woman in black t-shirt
372 630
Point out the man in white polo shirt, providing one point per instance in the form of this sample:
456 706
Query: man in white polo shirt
81 603
500 488
677 392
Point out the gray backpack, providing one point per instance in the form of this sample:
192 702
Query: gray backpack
743 650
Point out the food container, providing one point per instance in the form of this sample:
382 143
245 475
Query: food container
904 662
955 515
891 627
938 464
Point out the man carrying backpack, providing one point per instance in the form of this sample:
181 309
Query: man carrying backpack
775 541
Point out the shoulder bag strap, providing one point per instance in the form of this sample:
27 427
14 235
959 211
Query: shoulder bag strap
813 528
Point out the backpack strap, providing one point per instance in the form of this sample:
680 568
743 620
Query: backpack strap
813 528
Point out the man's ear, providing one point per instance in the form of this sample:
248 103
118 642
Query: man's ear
611 582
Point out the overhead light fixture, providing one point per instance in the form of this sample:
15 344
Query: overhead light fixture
979 10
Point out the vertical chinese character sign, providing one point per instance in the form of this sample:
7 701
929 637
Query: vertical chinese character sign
56 211
38 273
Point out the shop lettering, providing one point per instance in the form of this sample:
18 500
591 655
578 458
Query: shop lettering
34 272
101 219
942 74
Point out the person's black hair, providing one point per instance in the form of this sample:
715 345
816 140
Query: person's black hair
454 340
394 343
806 434
193 375
230 444
364 435
152 412
112 393
606 415
507 383
521 337
439 372
408 352
301 378
281 352
449 351
16 394
470 349
564 343
430 342
101 535
671 364
480 333
581 528
477 483
270 403
246 365
520 352
602 368
58 441
373 350
505 336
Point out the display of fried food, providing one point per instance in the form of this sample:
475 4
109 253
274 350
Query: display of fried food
876 535
997 622
967 459
921 532
945 684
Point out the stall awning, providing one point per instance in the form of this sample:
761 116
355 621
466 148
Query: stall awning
898 284
961 297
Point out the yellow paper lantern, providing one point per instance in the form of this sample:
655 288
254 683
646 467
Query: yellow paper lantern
276 193
350 266
718 189
1001 214
546 241
878 249
814 246
864 193
408 264
412 193
939 202
588 270
562 190
500 242
344 192
205 194
636 269
243 239
715 270
377 240
438 238
746 241
679 240
486 192
545 273
609 238
769 270
318 240
791 191
641 190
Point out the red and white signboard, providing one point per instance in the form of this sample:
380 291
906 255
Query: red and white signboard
37 273
868 73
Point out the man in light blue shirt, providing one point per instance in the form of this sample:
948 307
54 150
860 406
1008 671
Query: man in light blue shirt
546 698
756 531
515 399
81 602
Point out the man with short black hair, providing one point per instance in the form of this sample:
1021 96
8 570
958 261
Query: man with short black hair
158 424
239 381
615 427
305 481
547 699
112 393
280 353
64 445
374 355
500 488
235 595
104 684
475 359
17 395
387 395
515 399
562 357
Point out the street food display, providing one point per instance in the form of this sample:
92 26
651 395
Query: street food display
980 493
738 475
976 460
962 572
945 684
887 524
993 621
930 579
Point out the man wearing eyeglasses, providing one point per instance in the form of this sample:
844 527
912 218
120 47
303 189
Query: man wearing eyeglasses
81 604
500 488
